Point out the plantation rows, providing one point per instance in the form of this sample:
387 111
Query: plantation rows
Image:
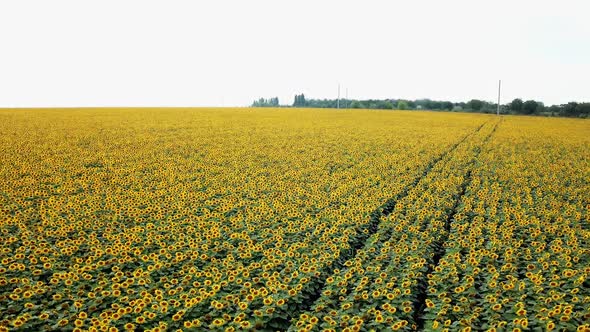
225 219
381 286
456 254
518 254
202 219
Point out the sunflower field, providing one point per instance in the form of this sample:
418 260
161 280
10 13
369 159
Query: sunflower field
292 220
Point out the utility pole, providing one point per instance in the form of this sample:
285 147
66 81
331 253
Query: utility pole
338 100
499 88
347 101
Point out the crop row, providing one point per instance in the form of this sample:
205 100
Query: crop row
380 288
518 255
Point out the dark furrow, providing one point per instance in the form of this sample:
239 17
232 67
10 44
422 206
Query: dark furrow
478 284
440 250
359 242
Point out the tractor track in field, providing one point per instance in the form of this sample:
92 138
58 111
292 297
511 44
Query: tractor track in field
358 243
439 252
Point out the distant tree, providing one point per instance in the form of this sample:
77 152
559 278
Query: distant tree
271 102
386 105
402 105
516 105
372 104
583 109
569 109
259 103
423 104
356 104
475 104
296 101
433 104
487 107
555 110
299 101
446 105
529 107
436 105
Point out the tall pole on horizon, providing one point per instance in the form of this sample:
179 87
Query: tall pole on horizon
347 101
499 88
338 100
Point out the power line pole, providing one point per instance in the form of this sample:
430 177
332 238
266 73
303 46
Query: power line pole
338 100
347 101
499 88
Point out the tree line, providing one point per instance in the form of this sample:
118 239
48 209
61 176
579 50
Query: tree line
516 106
270 102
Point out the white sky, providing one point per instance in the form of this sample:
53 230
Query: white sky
214 53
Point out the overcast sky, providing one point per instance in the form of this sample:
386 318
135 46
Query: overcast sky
214 53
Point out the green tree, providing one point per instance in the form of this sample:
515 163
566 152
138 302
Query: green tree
356 104
387 105
583 109
446 105
402 105
569 109
529 107
475 104
555 110
516 105
271 102
299 101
